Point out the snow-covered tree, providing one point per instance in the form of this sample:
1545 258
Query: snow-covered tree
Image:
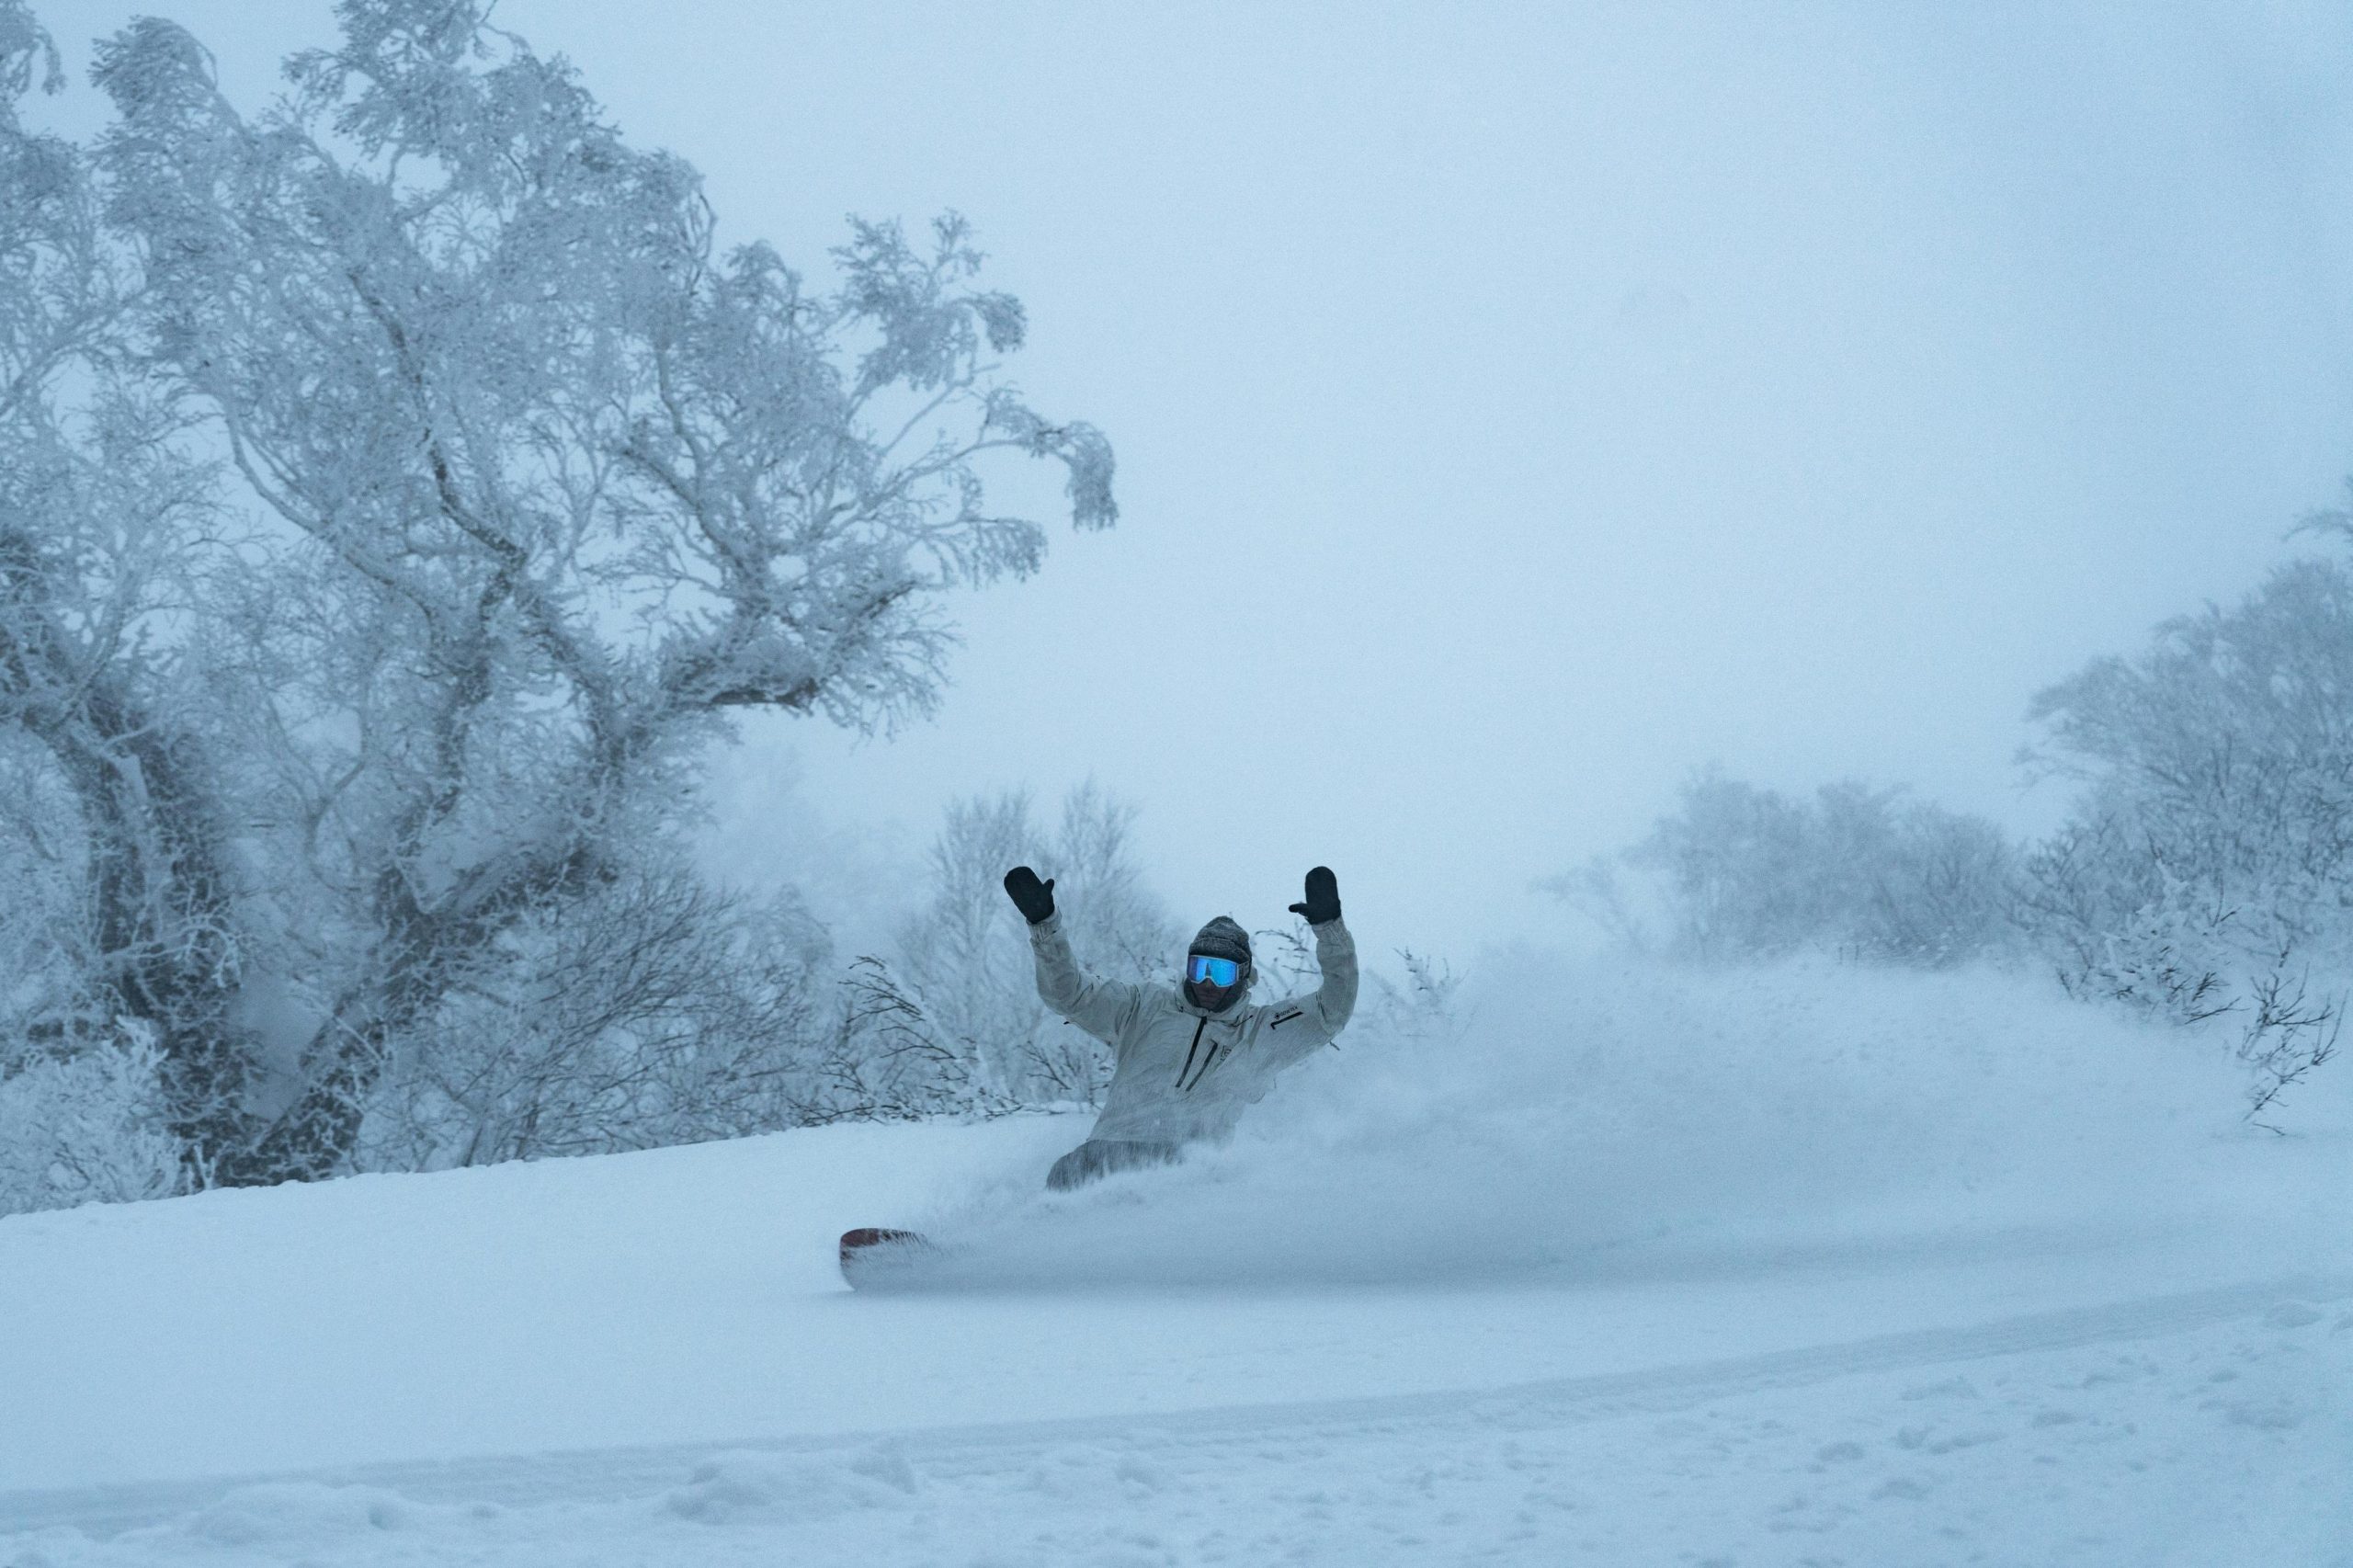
122 911
565 485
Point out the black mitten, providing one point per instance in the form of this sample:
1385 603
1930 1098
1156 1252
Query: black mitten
1323 902
1035 899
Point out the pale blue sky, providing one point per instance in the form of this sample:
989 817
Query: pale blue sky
1519 406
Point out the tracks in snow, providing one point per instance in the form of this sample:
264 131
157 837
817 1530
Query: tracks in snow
957 1451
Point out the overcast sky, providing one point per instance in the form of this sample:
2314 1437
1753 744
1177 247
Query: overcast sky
1518 407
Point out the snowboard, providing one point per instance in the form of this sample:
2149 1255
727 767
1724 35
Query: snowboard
873 1256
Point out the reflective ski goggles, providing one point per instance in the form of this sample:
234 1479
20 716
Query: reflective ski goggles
1200 968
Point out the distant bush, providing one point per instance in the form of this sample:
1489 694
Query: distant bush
1739 872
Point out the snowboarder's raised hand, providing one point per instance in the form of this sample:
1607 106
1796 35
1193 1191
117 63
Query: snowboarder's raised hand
1035 899
1323 902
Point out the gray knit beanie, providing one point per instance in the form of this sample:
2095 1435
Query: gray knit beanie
1223 937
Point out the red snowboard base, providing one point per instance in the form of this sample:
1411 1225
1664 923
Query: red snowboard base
870 1250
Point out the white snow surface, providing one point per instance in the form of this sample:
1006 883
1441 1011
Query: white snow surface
1797 1266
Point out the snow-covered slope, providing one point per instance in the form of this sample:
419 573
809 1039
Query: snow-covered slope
1776 1269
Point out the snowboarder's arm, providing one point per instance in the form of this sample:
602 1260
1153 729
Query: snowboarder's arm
1295 1026
1101 1007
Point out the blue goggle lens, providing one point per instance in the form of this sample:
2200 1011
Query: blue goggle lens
1216 972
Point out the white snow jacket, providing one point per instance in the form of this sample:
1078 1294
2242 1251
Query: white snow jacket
1184 1073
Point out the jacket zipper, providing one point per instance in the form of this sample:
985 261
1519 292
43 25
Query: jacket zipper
1197 1027
1207 1063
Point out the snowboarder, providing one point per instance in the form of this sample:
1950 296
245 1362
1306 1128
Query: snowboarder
1190 1057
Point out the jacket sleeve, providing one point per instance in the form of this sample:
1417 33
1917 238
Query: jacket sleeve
1293 1027
1104 1008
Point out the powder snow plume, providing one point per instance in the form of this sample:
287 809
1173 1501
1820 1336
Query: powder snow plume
1597 1118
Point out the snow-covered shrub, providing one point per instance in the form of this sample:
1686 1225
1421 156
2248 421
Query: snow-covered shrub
2206 874
1740 872
1425 1008
651 1012
956 1020
85 1128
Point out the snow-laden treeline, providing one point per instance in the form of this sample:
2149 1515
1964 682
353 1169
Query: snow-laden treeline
2203 873
399 489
